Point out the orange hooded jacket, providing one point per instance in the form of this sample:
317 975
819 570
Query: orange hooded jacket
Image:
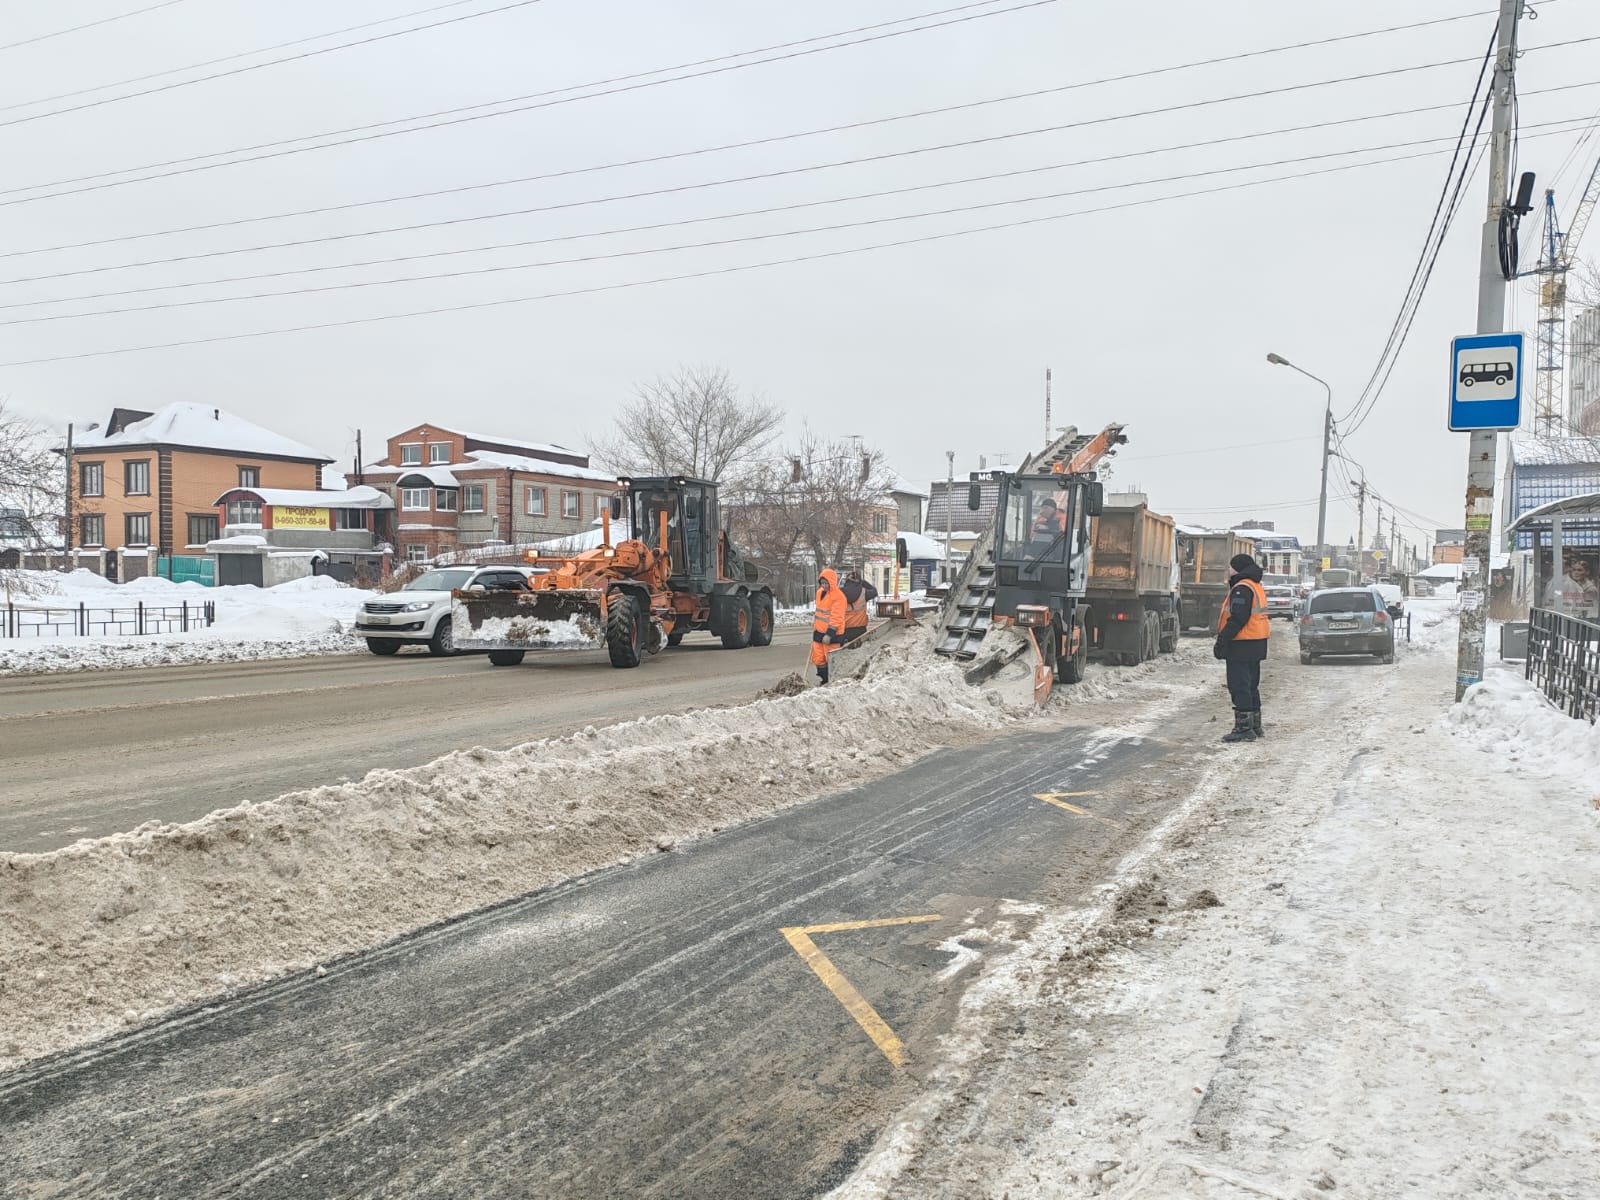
830 616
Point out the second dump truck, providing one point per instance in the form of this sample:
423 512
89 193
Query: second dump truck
1203 557
1132 594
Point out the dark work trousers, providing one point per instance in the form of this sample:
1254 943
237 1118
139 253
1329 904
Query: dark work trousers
1244 683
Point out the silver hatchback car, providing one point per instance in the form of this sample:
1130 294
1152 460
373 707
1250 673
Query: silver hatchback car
1349 620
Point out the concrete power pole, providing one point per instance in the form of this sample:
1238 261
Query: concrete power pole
1491 319
1361 521
949 508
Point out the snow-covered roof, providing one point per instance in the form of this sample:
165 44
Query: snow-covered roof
437 476
589 539
500 440
1446 571
899 483
920 546
1550 450
201 427
356 497
333 480
540 466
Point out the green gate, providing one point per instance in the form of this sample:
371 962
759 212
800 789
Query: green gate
182 568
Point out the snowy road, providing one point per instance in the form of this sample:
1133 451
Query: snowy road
92 754
647 1031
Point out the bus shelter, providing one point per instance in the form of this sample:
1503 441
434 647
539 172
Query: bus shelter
1567 576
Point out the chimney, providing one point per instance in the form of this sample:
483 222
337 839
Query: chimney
216 414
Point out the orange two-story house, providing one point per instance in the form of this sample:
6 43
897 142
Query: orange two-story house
152 479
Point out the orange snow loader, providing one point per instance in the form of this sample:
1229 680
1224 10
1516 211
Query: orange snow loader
675 573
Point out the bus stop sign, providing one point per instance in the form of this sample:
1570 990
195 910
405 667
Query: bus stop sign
1486 382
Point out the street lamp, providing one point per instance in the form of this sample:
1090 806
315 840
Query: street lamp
1278 360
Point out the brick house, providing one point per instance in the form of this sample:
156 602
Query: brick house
151 479
456 491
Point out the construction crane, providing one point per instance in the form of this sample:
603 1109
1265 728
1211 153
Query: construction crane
1557 250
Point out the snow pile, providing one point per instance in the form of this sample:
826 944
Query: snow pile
304 617
1510 720
113 931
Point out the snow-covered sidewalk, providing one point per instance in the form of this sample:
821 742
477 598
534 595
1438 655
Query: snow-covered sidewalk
1364 963
307 617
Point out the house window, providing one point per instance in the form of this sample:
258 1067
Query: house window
136 477
414 499
416 552
136 529
535 502
91 479
92 530
244 512
202 528
444 499
571 504
880 522
438 452
350 518
411 456
250 477
472 497
601 503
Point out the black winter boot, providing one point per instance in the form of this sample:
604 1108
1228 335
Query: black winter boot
822 676
1255 724
1243 728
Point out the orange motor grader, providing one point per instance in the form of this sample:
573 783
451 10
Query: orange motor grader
676 573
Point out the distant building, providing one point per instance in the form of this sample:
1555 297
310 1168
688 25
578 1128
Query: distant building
455 490
1583 371
149 480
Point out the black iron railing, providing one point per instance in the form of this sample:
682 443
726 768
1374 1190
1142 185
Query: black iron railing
1564 661
38 621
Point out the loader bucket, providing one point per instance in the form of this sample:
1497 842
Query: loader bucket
505 620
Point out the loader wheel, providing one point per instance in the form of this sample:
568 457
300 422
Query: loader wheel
622 631
737 622
762 621
505 658
1073 666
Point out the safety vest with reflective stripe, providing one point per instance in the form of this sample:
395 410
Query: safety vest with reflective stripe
1258 627
856 615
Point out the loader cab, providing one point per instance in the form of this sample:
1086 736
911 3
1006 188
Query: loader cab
689 507
1042 538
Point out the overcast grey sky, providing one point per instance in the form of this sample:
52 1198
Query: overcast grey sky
1157 315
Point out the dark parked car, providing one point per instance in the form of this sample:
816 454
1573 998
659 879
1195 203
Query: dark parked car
1350 620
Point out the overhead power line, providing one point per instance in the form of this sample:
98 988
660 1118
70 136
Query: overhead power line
622 84
44 37
703 245
707 273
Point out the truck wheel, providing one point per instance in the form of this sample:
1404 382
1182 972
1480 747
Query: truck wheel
1074 665
736 624
622 631
443 640
383 645
762 620
1169 639
505 658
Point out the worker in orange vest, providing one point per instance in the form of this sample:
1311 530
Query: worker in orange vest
857 595
827 629
1242 631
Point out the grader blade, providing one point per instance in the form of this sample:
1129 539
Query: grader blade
542 620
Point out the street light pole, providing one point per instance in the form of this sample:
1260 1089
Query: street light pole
949 508
1278 360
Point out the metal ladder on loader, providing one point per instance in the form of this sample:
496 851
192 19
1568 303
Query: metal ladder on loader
969 609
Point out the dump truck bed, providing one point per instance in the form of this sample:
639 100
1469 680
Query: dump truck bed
1133 552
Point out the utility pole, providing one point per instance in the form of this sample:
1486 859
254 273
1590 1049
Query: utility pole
949 508
1491 319
1047 434
66 538
1361 519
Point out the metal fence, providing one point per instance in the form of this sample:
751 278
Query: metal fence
23 621
1564 661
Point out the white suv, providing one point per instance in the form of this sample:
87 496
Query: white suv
419 613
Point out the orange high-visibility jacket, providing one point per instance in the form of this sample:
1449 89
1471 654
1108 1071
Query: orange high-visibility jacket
831 606
1258 627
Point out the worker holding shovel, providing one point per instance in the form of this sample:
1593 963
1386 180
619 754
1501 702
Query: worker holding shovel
827 629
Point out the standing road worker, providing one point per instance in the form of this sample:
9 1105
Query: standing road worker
1242 630
827 630
857 595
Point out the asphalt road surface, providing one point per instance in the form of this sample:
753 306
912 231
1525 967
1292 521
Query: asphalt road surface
648 1030
101 752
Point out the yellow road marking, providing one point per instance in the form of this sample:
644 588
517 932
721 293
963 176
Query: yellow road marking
854 1002
1057 798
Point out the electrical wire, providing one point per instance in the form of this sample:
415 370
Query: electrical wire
703 245
707 273
44 37
639 80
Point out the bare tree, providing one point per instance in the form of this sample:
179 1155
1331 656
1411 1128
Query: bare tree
32 491
693 422
815 507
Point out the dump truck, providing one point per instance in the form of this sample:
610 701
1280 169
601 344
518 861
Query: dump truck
1203 557
1030 569
676 573
1132 595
